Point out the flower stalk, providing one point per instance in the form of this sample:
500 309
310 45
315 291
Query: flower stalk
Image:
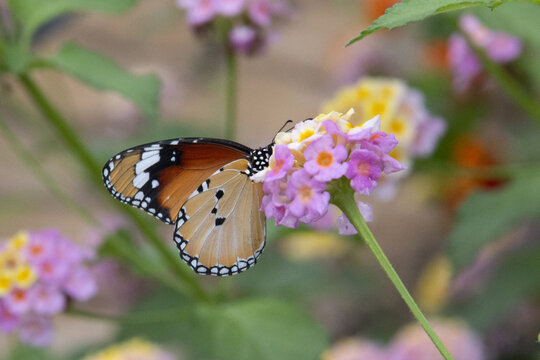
342 195
231 94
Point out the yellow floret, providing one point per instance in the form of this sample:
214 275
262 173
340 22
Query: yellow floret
18 241
25 277
5 284
135 348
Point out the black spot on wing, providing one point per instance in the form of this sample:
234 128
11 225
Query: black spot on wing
220 221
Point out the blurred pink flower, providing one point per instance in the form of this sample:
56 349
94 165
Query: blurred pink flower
230 7
355 349
243 39
499 47
199 12
46 270
412 343
18 301
36 330
80 284
251 20
344 225
260 12
47 299
8 320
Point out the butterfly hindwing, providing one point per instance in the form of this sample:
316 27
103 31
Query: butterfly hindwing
159 177
220 230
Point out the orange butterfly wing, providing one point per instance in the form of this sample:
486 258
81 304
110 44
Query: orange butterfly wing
160 177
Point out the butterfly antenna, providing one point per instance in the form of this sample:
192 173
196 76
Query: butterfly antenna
280 129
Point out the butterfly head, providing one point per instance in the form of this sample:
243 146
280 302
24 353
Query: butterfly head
259 159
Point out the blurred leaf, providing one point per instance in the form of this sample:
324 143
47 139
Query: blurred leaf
487 215
34 13
179 330
101 73
27 352
513 282
261 329
408 11
15 59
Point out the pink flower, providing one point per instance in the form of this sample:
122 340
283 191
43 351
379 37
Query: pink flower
260 12
305 160
364 169
344 225
284 161
430 130
504 48
36 330
80 284
47 299
54 270
412 343
199 12
243 39
324 160
230 7
499 47
309 200
381 142
8 320
356 349
463 62
18 301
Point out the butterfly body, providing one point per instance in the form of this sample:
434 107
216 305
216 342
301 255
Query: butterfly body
203 187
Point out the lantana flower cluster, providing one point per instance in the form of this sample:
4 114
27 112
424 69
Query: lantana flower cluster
39 273
412 343
251 20
132 350
316 152
498 46
402 112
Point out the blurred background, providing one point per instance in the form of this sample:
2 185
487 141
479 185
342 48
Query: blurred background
442 213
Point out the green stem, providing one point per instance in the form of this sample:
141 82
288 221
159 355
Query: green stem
509 84
231 95
34 165
343 197
69 136
63 128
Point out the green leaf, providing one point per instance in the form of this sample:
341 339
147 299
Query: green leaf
408 11
34 13
261 329
488 215
101 73
512 283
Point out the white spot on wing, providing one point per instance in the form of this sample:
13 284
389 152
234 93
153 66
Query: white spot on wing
148 154
155 184
141 179
145 164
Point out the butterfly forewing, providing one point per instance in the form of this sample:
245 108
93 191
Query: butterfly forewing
220 230
160 177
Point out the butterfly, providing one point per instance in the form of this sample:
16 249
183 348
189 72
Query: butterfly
203 187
